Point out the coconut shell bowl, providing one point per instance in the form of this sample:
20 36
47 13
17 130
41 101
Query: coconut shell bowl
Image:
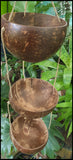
33 37
29 138
32 98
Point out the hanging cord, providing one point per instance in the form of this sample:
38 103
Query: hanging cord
11 133
2 31
23 70
55 11
57 67
24 61
25 8
54 86
9 119
58 62
12 12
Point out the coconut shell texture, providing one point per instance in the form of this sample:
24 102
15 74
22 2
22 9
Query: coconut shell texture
28 138
33 97
35 37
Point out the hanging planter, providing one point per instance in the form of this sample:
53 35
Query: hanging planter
33 97
33 37
29 137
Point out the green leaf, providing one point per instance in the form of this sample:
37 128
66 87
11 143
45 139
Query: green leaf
57 133
9 7
70 64
4 90
70 130
21 73
6 142
50 64
64 104
13 77
51 74
20 5
70 44
68 94
43 68
52 143
67 77
44 151
61 98
67 122
50 153
3 82
61 117
31 6
68 113
40 8
56 123
64 56
16 65
4 71
59 84
32 71
3 7
3 106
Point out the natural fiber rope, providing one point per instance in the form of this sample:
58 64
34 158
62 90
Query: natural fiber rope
57 65
50 121
24 15
55 11
25 8
23 70
12 12
54 86
2 31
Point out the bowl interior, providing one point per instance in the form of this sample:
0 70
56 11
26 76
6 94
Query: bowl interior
35 19
34 95
29 136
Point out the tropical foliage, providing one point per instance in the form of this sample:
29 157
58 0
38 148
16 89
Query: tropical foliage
46 70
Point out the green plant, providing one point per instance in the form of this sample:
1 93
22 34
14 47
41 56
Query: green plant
54 134
19 7
5 7
48 69
63 82
7 147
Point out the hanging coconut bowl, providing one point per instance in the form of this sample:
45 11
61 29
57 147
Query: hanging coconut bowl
33 37
28 138
33 97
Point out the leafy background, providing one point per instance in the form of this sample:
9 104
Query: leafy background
46 70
